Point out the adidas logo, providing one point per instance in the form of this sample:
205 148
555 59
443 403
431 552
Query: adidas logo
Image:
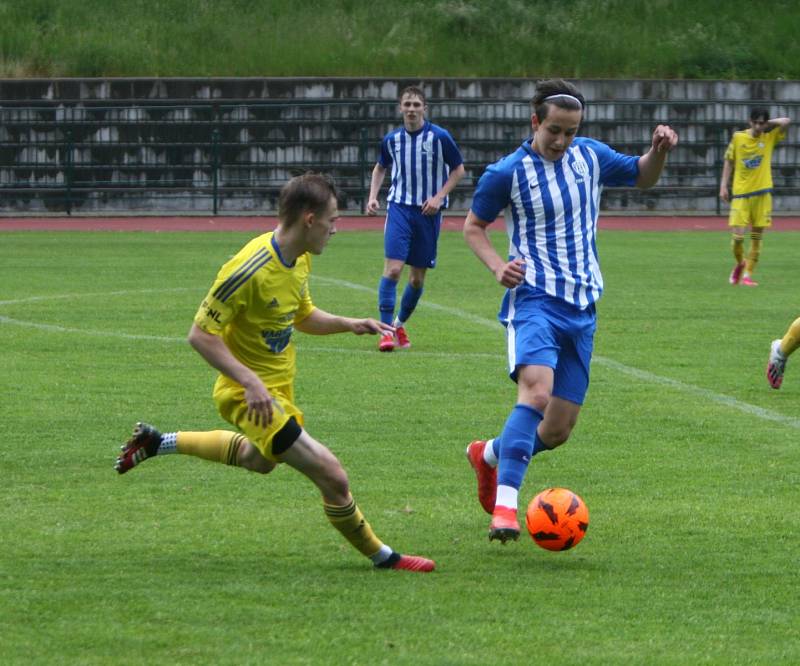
273 303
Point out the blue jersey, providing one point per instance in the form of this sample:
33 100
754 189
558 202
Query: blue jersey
421 162
552 213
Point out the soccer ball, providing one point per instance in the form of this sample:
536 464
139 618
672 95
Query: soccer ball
557 519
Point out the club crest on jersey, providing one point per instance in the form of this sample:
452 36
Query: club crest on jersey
580 167
427 145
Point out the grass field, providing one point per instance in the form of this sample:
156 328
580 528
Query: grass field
688 461
415 38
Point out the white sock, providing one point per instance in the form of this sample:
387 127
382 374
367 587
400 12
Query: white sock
488 454
507 496
169 444
382 555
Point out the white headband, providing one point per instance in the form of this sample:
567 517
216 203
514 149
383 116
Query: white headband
572 97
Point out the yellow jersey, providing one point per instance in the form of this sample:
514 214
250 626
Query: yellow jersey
752 161
254 303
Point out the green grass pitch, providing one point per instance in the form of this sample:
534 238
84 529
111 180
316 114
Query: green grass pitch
689 464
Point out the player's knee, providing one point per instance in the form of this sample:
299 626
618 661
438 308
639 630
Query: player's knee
533 392
251 459
556 433
536 397
557 437
393 272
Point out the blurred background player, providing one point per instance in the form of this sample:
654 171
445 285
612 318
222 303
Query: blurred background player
780 351
749 158
426 166
551 185
244 330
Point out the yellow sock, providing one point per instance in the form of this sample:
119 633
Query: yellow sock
755 251
220 446
791 340
349 520
737 244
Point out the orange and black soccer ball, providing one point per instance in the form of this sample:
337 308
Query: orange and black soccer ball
557 519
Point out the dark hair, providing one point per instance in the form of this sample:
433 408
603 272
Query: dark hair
413 90
309 192
759 113
554 87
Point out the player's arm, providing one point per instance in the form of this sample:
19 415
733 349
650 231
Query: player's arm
508 273
724 184
434 203
319 322
652 162
375 183
216 353
780 123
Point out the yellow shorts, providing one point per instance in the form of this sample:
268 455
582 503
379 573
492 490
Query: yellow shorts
751 211
229 398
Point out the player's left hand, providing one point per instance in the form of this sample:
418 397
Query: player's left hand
664 138
432 205
370 326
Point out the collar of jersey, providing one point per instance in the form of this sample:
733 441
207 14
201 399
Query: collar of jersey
278 252
419 131
527 146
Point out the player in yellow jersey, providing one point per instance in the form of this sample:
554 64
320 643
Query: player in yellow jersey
749 158
244 329
779 352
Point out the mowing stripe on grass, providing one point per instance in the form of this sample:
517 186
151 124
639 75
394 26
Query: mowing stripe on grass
642 375
88 331
719 398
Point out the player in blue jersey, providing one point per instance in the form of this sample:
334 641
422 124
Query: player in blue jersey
550 188
244 329
426 165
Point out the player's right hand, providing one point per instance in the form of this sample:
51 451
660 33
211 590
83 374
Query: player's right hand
511 274
259 405
372 206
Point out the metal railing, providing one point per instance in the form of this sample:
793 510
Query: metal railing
235 156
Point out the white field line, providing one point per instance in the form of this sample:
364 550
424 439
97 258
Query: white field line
641 375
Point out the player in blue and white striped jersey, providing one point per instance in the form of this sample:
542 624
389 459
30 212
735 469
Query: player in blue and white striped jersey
426 165
550 189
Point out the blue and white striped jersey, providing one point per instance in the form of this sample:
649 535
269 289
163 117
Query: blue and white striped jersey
421 162
552 213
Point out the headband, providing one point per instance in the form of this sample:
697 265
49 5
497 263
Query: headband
572 97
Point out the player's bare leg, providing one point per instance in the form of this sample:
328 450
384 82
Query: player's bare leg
318 463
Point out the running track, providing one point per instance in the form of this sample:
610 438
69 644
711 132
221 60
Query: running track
353 223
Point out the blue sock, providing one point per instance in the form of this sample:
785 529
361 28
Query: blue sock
387 295
538 446
409 302
516 445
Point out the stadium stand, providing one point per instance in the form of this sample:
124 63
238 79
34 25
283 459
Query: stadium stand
227 145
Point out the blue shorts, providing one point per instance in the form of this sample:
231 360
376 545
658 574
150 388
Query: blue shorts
544 330
410 236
